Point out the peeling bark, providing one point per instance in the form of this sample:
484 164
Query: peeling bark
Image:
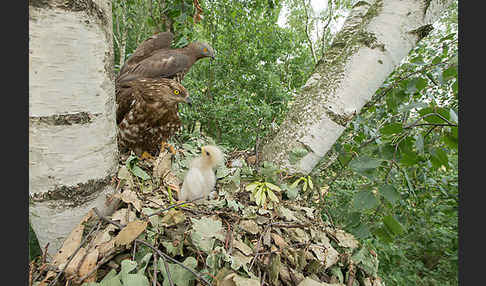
72 130
376 36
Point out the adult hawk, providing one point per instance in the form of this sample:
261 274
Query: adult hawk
154 59
147 112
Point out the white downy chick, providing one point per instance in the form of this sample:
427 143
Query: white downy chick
200 179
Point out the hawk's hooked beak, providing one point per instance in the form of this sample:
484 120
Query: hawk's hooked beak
189 101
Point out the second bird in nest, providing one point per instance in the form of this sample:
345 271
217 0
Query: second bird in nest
200 179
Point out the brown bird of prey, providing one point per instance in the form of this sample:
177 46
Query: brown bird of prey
146 48
200 179
147 112
156 60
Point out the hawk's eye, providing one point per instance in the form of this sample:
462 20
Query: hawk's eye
205 50
176 91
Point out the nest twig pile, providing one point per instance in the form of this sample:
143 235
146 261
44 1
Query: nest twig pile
229 240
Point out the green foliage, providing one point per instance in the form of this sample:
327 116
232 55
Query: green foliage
34 247
130 274
404 149
132 166
261 190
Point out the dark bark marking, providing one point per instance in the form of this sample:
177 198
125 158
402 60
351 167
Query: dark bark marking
76 195
65 119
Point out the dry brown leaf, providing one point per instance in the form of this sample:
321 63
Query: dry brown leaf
88 265
102 237
173 217
250 226
73 265
155 202
72 242
346 239
130 197
106 247
279 241
332 257
162 164
245 249
123 216
49 275
69 246
172 181
130 232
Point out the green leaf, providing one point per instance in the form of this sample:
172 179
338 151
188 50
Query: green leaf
296 154
389 193
272 196
408 158
179 275
222 172
291 192
439 158
364 165
419 143
361 232
453 116
444 112
272 186
392 128
393 225
383 234
296 182
311 185
450 138
450 73
413 105
252 186
364 200
420 83
139 172
135 280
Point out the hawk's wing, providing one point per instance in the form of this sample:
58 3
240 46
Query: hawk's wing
124 98
165 63
147 47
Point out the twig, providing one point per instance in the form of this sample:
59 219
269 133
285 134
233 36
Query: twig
430 130
352 272
381 95
134 250
173 206
329 18
45 253
258 245
161 254
431 124
86 253
166 266
427 115
155 270
120 226
31 270
307 32
72 256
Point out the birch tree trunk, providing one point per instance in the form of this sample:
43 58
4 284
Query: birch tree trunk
72 130
376 36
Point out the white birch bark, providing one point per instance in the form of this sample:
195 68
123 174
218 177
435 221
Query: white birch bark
72 130
376 36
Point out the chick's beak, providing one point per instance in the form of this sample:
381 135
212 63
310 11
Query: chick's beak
189 101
